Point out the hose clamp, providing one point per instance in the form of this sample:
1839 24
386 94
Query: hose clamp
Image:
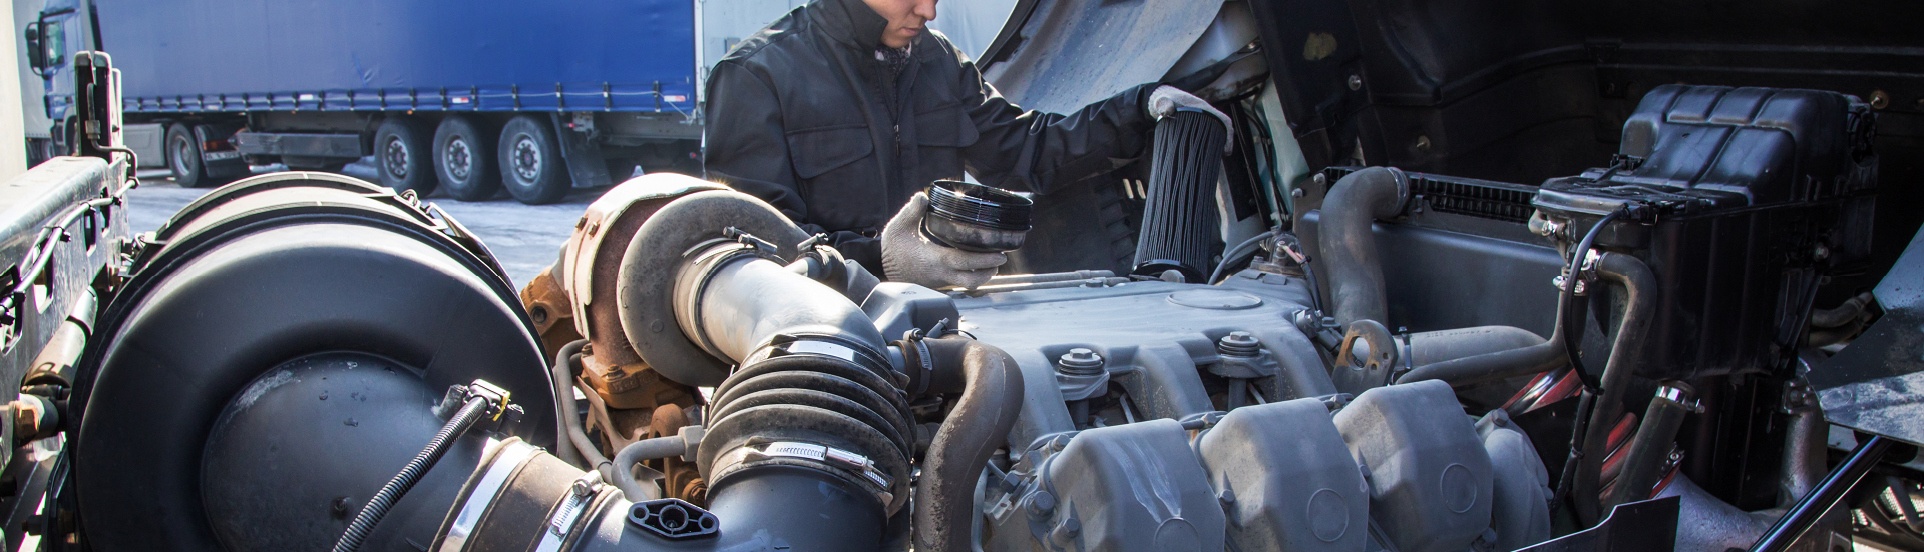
914 346
857 465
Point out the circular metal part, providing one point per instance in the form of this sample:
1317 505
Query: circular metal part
1080 362
527 157
974 217
646 288
1215 299
460 159
1239 344
1328 515
254 276
1880 99
395 157
290 424
1355 82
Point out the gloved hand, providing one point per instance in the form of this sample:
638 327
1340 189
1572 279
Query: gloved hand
909 256
1165 100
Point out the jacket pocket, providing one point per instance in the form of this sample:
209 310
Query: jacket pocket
946 127
819 150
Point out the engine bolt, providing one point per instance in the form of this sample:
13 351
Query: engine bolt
1080 362
1355 82
1042 504
1239 344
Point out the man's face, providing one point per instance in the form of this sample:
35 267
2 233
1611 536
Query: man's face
906 19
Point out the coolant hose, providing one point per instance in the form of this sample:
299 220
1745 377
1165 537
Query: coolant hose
991 387
635 453
1348 247
1625 350
1650 448
1522 361
564 384
566 423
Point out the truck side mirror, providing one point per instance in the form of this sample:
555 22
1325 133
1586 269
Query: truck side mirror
36 47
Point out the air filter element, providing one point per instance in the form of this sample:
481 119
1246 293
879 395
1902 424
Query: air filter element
1179 222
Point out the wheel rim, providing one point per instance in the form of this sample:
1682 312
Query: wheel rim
527 158
395 157
182 149
460 159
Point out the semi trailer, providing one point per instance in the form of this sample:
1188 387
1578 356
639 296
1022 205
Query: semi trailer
468 98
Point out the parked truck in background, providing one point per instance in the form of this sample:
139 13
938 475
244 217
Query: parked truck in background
466 97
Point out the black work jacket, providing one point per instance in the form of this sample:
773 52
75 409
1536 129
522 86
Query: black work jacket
799 116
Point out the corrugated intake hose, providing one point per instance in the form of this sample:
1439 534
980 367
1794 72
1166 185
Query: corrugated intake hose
1640 300
814 395
991 386
1348 247
1179 221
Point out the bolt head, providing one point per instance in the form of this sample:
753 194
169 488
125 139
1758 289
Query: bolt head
1355 82
1042 503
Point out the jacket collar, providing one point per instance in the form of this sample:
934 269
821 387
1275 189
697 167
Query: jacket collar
850 22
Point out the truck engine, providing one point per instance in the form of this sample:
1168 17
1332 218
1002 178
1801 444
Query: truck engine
1648 354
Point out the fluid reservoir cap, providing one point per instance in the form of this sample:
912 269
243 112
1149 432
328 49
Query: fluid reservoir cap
1215 299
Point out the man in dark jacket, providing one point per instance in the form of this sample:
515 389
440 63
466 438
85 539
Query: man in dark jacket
841 111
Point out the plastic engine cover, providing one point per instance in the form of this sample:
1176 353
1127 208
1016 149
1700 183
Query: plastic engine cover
1286 479
1430 479
1130 487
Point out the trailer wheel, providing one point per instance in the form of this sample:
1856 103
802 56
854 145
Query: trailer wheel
401 156
462 162
531 165
183 157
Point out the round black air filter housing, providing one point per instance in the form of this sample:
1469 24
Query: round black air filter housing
275 357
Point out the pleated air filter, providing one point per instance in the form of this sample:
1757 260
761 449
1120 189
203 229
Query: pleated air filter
1179 221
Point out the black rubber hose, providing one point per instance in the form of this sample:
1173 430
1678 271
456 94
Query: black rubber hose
1179 224
1570 316
1649 450
564 402
1641 302
1534 359
1842 314
1347 246
378 506
991 387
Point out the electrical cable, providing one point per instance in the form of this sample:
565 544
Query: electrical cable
377 507
1235 253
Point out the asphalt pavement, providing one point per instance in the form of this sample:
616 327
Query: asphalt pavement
524 238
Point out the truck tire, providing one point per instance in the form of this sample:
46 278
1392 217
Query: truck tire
183 157
401 156
531 165
461 160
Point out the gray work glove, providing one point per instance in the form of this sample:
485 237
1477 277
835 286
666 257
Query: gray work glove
909 256
1165 100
